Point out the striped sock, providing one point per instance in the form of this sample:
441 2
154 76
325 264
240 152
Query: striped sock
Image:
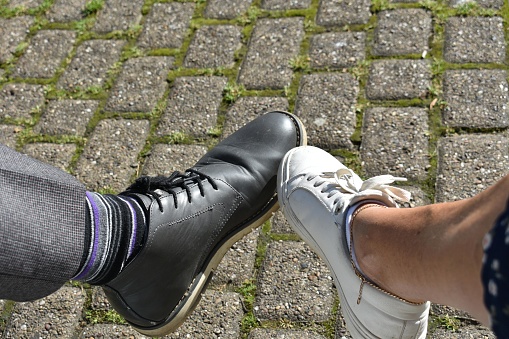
115 231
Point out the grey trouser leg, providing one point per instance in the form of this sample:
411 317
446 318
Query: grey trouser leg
42 226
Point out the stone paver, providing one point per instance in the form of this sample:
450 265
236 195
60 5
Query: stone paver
274 43
226 9
13 32
474 39
469 164
398 79
8 135
337 50
217 316
285 4
330 120
166 159
237 265
69 117
140 85
494 4
46 51
58 155
57 315
280 225
395 141
89 66
402 31
28 4
262 333
110 157
118 15
17 101
476 98
110 331
166 25
193 106
293 284
248 108
340 13
66 10
214 46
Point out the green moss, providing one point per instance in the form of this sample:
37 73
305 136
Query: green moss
92 7
104 316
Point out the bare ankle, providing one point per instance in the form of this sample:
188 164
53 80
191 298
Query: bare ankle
371 244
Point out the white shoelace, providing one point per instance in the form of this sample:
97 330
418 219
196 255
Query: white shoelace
346 181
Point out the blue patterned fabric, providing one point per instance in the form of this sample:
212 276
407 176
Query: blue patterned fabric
495 275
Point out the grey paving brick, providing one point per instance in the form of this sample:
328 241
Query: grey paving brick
340 13
45 53
140 85
193 105
395 141
118 15
8 135
98 300
469 164
166 159
279 224
264 333
226 9
166 25
419 197
474 39
274 42
326 105
494 4
285 4
214 46
218 315
398 79
336 50
246 109
89 66
402 31
101 331
110 157
57 315
19 100
66 10
293 284
58 155
237 265
28 4
14 32
66 117
476 98
341 330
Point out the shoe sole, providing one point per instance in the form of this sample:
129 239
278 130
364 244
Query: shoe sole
357 331
195 291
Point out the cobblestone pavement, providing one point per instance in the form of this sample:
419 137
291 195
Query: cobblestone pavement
111 89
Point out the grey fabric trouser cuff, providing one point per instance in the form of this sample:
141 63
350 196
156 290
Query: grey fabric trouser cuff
42 226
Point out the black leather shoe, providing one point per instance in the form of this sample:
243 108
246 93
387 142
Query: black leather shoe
195 217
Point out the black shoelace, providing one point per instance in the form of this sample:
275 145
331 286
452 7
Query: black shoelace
149 185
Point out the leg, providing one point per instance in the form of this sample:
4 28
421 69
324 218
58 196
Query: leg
432 252
42 226
154 247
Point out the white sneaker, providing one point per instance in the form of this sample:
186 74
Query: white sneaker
315 191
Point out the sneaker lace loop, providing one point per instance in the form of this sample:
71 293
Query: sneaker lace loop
346 181
149 185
